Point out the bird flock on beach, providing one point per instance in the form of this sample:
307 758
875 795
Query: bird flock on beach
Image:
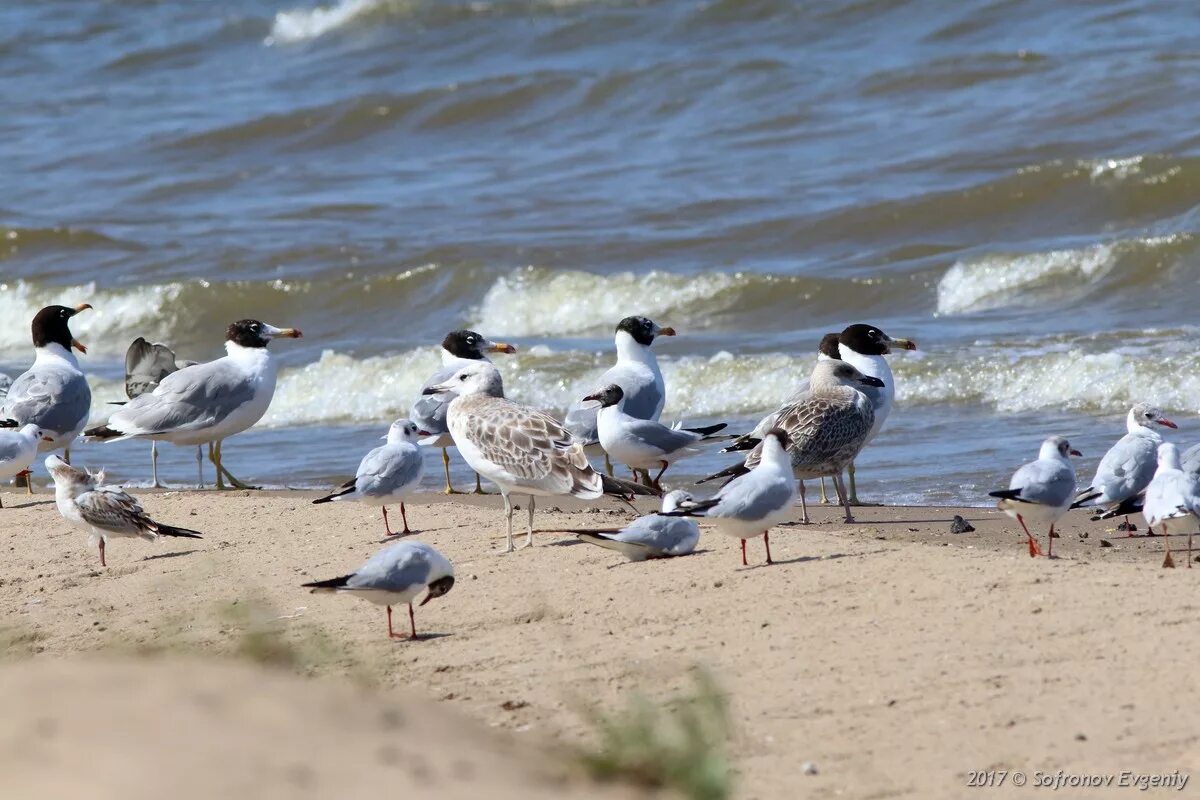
817 432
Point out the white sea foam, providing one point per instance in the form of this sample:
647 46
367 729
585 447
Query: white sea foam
996 281
543 302
302 24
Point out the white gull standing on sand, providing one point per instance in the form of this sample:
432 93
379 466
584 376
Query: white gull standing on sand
1041 491
387 474
652 535
103 511
644 443
753 503
1172 501
395 575
459 349
17 449
206 403
519 448
53 393
1127 468
636 372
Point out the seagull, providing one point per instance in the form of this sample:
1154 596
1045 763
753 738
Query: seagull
206 403
519 448
394 575
1128 466
827 428
103 511
752 503
459 349
1172 496
146 365
651 536
644 443
387 473
827 350
17 449
1041 491
53 393
636 372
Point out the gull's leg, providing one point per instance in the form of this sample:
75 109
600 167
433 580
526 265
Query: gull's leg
529 528
767 542
199 467
404 516
1034 550
213 457
28 480
478 485
824 497
446 466
803 505
744 564
608 464
1189 550
154 484
840 485
412 622
1050 544
67 454
103 563
387 526
853 487
233 480
391 633
508 512
658 478
1168 562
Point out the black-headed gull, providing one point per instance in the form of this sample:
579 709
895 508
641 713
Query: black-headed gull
1126 469
1041 491
653 535
1172 501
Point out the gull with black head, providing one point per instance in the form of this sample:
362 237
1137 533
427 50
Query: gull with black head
459 349
209 402
636 372
53 393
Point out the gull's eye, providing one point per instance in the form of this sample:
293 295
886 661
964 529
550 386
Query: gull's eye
462 377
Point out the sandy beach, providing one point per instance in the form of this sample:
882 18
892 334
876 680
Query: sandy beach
892 656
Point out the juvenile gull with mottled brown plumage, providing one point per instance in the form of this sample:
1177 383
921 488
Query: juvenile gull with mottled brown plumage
517 447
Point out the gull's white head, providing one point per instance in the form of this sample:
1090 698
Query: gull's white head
1144 415
1057 447
404 430
676 498
479 378
833 372
1168 456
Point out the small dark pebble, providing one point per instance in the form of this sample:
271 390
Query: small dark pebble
1127 526
513 705
960 525
1079 737
1083 535
1105 543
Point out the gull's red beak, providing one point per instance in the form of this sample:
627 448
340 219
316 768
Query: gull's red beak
424 433
905 344
1075 452
78 345
1166 423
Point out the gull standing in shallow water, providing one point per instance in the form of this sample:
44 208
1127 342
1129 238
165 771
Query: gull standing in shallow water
53 393
753 503
643 443
146 364
1173 496
1128 466
519 448
636 372
827 428
653 535
459 349
1041 491
394 575
206 403
103 511
17 449
387 474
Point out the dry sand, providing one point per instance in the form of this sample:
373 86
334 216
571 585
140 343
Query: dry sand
893 655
